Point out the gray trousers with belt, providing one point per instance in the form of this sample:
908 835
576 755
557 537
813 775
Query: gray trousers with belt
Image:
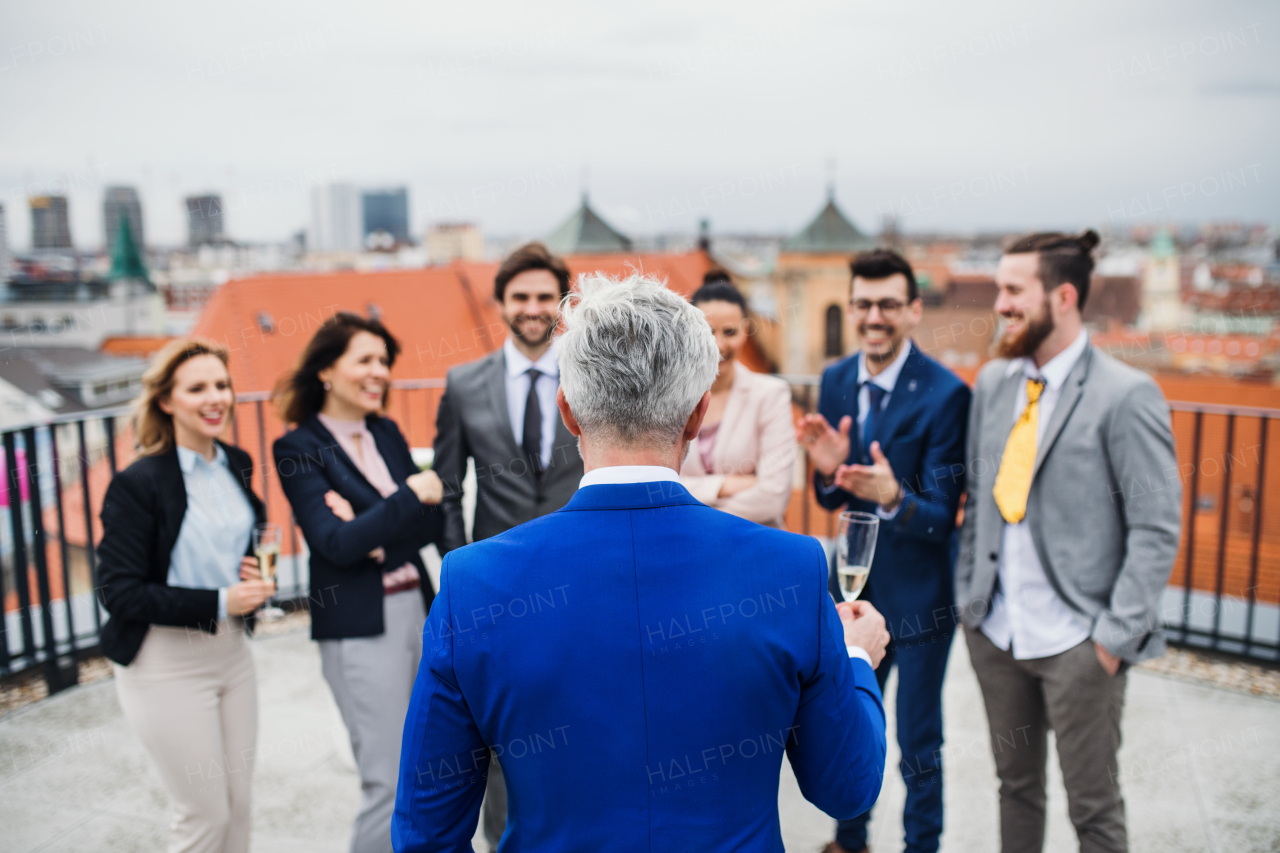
372 680
1072 694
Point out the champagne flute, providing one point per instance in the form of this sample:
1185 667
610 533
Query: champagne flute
266 547
855 548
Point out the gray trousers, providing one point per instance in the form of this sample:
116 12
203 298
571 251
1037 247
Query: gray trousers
1073 695
495 804
372 680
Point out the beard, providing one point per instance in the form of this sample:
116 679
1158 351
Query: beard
1029 339
518 324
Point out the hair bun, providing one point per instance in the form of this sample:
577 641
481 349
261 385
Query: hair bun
1088 240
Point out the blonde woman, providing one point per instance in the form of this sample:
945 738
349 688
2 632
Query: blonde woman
744 458
177 524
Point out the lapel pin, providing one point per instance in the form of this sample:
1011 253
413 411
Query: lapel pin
911 386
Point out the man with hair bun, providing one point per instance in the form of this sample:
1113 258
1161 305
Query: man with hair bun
1071 527
638 661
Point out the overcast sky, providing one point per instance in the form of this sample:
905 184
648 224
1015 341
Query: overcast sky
954 116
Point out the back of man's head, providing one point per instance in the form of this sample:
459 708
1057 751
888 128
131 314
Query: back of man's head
635 359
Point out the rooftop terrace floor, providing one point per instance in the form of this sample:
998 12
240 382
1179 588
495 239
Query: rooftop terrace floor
1199 766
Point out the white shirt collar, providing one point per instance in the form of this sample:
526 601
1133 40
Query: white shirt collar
187 458
621 474
888 377
1056 369
518 363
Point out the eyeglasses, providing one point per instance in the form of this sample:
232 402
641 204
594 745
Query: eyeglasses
888 307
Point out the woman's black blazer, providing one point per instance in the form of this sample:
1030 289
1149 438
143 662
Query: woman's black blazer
141 516
346 583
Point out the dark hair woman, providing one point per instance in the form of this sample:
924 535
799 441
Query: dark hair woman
742 461
366 511
177 525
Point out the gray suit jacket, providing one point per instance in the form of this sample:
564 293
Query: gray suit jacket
472 421
1105 506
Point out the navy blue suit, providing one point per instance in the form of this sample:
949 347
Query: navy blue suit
921 431
639 662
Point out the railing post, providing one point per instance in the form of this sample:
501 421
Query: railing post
1191 524
62 536
1223 518
1259 484
109 425
20 584
86 500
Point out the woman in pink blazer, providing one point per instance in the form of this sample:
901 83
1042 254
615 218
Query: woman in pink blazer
743 460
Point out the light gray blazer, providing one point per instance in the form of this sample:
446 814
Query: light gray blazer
1105 506
473 421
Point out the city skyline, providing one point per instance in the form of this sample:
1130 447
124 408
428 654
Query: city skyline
977 119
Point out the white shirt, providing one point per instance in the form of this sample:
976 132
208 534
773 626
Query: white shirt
1027 615
886 379
518 392
624 474
215 529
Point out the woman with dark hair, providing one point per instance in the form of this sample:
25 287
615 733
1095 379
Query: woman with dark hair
366 511
176 528
744 457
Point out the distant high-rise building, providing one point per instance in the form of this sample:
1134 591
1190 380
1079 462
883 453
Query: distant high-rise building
50 222
450 241
121 203
388 211
336 224
4 247
204 219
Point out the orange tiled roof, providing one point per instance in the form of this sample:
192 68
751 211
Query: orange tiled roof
142 346
442 316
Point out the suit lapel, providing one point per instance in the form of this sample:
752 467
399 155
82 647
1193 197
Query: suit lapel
172 488
329 442
1006 397
731 416
906 391
1071 391
496 380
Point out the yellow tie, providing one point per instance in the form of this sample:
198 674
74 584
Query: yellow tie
1013 481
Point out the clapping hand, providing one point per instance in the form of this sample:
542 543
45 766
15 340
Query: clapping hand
827 448
875 482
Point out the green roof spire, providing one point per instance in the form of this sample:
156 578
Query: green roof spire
126 260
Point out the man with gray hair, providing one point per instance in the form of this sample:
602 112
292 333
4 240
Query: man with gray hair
638 662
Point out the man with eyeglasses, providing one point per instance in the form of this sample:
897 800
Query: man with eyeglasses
898 450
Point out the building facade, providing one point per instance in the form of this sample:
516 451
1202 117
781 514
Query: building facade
204 220
385 215
50 222
336 219
121 203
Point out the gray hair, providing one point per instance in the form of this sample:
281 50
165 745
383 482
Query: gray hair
635 358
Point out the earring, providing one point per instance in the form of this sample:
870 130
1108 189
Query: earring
328 387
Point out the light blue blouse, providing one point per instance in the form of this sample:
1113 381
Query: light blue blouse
216 529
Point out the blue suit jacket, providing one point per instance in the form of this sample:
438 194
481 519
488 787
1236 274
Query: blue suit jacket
639 662
922 432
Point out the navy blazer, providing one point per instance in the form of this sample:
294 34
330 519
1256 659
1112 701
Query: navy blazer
639 662
346 583
922 433
142 516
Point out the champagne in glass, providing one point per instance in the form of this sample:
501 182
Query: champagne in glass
266 547
855 549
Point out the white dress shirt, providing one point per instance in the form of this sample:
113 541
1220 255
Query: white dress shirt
886 379
518 392
215 529
625 474
1027 615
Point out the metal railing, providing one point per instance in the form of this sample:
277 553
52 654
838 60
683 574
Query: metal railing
1224 593
57 472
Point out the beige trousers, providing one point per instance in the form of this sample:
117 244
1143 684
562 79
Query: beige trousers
192 699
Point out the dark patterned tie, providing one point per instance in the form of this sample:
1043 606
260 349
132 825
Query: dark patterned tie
532 444
876 393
